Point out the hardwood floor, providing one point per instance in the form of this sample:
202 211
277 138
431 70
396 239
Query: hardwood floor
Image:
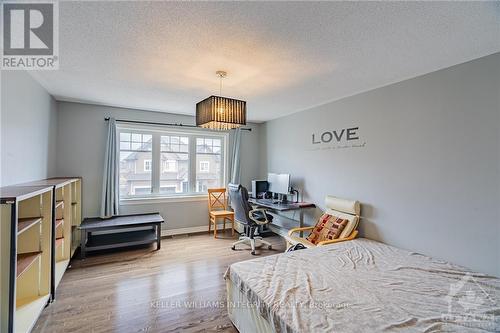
179 288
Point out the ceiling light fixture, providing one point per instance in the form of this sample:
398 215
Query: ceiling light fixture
221 113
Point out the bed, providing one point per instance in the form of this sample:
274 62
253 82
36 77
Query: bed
360 286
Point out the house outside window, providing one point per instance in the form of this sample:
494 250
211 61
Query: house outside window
168 163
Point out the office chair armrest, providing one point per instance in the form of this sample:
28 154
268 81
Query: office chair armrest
338 240
255 220
294 230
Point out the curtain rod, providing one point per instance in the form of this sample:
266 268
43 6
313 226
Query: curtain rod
161 124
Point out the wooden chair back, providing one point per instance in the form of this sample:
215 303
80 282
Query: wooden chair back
217 199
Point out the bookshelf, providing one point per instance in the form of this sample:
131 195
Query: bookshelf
67 217
39 234
26 248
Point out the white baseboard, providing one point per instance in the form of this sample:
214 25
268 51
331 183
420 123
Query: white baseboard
190 230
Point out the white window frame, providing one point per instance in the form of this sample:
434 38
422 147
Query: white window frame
150 165
193 134
207 164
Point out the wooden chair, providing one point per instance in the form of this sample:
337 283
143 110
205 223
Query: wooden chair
346 209
217 209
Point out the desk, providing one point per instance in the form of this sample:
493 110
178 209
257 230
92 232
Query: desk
273 206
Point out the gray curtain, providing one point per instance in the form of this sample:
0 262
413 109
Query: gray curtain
110 186
235 157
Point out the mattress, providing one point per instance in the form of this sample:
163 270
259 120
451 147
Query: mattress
360 286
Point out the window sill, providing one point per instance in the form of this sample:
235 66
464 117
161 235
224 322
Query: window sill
157 200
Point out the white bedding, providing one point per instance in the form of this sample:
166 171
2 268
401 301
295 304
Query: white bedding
365 286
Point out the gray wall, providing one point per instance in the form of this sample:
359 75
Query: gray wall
81 142
428 176
28 121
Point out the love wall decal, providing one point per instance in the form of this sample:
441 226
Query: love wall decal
337 139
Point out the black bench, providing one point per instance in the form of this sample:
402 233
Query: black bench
90 242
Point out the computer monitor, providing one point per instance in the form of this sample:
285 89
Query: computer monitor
279 183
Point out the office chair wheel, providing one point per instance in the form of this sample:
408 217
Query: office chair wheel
253 253
270 247
233 248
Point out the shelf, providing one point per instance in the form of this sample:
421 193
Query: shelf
59 223
59 203
25 260
27 312
60 269
120 239
59 242
26 223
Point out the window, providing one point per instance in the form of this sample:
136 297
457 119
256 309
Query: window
210 163
204 166
147 165
135 171
169 163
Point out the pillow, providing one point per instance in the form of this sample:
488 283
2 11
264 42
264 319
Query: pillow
328 227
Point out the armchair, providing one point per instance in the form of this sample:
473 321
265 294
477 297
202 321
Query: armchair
345 209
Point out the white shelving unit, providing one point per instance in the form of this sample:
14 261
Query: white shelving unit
67 217
26 255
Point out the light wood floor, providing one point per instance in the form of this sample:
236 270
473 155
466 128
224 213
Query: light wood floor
179 288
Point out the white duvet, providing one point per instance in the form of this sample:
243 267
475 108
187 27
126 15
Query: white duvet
367 286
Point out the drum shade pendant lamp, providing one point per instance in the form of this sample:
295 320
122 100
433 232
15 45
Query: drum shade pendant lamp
221 113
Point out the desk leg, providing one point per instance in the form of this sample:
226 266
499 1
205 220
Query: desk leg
301 222
83 242
158 236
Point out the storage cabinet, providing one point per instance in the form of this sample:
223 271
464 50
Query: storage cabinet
67 217
38 237
26 222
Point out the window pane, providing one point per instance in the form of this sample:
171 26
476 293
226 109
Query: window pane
125 145
136 137
124 136
208 164
174 173
147 145
135 173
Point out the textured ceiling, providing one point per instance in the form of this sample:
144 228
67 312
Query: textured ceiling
280 57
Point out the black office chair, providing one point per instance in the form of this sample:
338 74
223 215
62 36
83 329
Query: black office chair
249 217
